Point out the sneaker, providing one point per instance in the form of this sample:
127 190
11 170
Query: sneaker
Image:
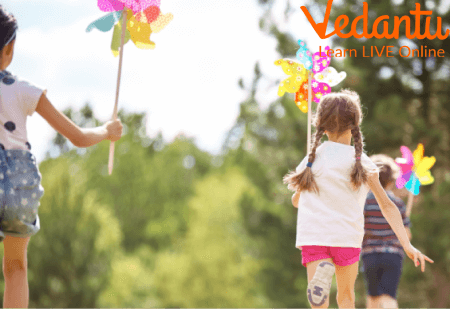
319 287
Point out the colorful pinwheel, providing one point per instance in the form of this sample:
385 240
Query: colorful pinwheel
140 18
414 169
324 78
144 18
304 84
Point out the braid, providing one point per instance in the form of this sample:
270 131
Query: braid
304 180
358 174
317 137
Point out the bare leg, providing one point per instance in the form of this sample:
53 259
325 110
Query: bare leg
386 301
345 278
311 269
15 272
372 301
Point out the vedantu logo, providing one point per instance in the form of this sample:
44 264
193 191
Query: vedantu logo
321 28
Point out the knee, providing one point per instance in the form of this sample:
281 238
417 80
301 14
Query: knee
13 266
345 296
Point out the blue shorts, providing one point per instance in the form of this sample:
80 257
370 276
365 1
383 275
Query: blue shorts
382 272
20 192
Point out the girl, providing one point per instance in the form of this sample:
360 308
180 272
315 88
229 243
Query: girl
333 182
382 253
20 188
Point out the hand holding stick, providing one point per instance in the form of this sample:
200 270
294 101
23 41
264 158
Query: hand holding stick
111 147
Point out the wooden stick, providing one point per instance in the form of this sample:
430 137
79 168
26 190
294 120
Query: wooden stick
111 146
409 204
308 147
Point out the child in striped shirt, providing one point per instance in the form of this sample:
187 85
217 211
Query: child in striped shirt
382 254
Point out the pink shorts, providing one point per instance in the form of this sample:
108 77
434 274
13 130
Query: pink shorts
341 256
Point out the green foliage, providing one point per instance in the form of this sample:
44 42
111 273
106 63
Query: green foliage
213 265
132 283
69 260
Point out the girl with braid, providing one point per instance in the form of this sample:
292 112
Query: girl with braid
20 179
331 185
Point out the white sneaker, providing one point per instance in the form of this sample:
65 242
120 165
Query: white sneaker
319 287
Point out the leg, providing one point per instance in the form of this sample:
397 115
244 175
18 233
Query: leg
15 272
345 278
386 301
372 301
372 275
311 269
389 280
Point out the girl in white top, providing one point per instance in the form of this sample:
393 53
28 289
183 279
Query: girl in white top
20 188
331 185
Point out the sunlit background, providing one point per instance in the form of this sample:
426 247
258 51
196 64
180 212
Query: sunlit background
188 84
195 213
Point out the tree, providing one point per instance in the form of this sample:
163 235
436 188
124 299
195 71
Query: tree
69 260
214 265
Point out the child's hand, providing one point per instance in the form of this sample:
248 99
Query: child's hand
114 130
417 256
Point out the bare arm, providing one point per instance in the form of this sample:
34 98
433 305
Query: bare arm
408 232
79 137
295 199
394 218
388 209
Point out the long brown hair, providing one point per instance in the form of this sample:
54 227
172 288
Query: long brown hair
337 112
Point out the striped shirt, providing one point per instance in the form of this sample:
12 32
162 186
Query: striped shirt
378 234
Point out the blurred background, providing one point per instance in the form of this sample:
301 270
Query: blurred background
195 213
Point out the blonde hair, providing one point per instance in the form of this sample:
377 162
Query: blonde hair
389 170
337 112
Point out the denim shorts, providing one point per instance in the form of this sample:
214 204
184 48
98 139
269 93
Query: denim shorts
20 192
382 272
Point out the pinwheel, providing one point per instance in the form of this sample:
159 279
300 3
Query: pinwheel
311 79
144 18
414 169
140 18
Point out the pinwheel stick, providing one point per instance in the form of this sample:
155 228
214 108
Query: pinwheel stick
308 146
111 147
409 204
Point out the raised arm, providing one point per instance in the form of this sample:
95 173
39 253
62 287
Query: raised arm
394 218
79 137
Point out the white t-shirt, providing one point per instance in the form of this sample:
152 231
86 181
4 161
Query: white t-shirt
18 99
335 216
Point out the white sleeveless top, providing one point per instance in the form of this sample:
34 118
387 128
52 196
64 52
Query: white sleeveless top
18 99
335 216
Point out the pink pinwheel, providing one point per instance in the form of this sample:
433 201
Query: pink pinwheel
314 85
406 165
325 76
144 18
144 10
134 5
414 169
140 18
320 61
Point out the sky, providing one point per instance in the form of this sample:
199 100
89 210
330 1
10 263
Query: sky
188 84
